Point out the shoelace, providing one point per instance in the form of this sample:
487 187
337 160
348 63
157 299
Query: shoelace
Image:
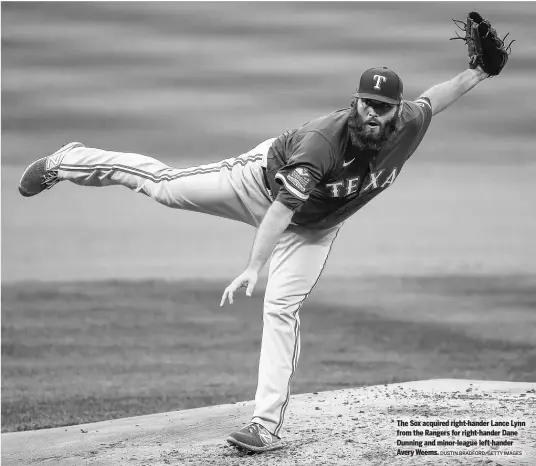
253 428
50 178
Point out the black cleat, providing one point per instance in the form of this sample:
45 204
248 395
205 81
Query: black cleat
255 438
43 173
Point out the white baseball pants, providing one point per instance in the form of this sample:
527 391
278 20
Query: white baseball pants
233 188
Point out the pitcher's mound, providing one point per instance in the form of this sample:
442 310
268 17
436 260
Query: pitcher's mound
463 421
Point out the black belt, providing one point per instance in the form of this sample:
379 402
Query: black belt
265 178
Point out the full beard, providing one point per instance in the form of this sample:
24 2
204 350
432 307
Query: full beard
365 139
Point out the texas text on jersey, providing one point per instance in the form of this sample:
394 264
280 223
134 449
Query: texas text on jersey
317 172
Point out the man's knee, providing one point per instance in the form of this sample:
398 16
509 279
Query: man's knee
284 308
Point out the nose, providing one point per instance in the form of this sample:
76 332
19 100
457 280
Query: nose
371 112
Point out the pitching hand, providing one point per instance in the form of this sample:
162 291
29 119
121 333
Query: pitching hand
246 279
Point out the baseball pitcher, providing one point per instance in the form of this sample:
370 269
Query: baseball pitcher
297 190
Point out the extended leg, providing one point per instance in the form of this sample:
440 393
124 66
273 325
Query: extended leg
232 188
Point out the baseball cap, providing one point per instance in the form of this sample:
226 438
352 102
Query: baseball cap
381 84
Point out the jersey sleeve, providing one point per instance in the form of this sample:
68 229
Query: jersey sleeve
424 107
417 115
309 162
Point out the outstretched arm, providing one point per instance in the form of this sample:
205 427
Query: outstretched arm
274 223
445 94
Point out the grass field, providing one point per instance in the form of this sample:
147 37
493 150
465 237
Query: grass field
102 312
89 351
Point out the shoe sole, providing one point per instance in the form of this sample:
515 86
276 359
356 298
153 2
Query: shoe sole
245 446
68 146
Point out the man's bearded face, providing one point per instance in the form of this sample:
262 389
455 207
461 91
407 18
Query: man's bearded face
372 124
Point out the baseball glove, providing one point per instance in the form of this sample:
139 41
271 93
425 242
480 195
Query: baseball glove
485 48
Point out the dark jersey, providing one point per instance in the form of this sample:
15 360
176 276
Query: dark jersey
317 172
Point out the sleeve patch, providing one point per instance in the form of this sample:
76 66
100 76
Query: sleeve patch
291 187
301 179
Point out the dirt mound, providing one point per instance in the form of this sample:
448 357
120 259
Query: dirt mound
372 425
